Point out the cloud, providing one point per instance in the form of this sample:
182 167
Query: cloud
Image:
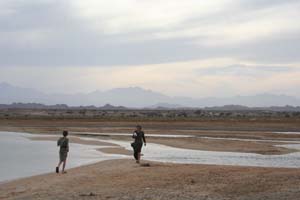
247 70
128 32
198 78
119 16
184 48
212 23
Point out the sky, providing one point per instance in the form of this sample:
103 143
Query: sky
194 48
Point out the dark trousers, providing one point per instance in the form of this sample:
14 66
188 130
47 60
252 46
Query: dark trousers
137 149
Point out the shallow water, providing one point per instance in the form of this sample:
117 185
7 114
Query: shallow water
250 140
191 136
289 133
162 153
129 135
22 157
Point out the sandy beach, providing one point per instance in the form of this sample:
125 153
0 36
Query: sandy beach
123 179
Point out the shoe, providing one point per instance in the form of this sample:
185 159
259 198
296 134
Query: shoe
57 170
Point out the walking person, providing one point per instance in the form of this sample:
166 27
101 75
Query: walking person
139 140
63 144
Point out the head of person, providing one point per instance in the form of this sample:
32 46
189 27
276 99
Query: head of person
138 127
65 133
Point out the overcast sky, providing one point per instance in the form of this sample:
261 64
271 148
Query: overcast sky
193 48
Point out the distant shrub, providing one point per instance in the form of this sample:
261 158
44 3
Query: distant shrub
198 112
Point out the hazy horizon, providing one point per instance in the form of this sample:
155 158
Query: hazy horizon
193 48
134 87
137 97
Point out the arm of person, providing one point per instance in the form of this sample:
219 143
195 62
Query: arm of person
144 139
59 142
67 145
134 135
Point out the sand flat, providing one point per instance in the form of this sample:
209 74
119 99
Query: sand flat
264 148
123 179
75 140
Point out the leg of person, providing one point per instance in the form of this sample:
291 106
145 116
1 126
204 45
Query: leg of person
135 154
139 150
139 157
58 166
64 166
64 159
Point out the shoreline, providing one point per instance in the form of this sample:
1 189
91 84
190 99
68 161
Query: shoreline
263 147
83 153
123 179
104 147
120 147
143 162
51 173
115 178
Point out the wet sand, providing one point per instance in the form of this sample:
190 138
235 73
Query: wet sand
242 129
264 148
116 150
108 148
75 140
123 179
247 129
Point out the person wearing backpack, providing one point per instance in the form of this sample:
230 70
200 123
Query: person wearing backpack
63 144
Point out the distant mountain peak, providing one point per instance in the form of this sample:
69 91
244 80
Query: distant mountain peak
137 97
135 89
165 106
4 84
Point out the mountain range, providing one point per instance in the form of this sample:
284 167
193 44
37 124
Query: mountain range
136 97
